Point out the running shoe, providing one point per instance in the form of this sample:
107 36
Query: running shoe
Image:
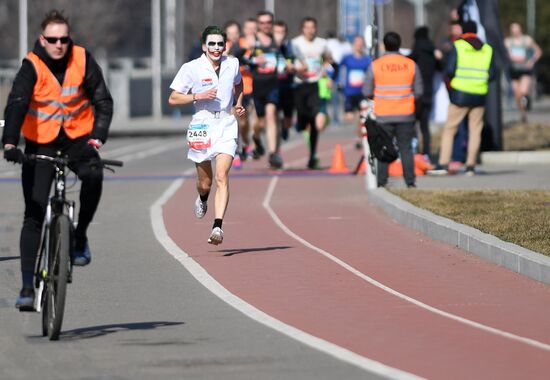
284 134
438 170
244 153
25 301
216 236
82 256
275 161
313 164
200 208
525 103
237 163
259 149
470 171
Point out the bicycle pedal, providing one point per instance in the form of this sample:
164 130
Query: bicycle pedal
26 309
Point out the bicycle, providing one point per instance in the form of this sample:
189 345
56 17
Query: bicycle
54 264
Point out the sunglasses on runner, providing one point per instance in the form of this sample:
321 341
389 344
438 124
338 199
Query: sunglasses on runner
53 40
219 43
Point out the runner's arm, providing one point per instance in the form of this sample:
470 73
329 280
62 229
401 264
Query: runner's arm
239 109
178 99
537 53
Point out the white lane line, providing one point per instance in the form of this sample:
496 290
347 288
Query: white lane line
282 226
157 149
11 173
247 309
131 147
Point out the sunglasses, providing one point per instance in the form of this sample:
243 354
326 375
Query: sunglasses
219 43
53 40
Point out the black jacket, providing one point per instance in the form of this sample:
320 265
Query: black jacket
423 54
23 86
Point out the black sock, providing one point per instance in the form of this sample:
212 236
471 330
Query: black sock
217 223
204 197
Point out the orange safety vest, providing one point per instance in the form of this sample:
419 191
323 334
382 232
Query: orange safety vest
393 85
54 106
245 72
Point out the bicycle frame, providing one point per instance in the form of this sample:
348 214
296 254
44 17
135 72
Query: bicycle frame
53 269
57 205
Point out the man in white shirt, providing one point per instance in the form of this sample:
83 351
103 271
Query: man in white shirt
210 82
309 51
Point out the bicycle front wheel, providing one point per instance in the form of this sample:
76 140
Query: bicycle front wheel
58 272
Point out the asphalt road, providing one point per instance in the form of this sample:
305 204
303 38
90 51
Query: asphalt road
135 312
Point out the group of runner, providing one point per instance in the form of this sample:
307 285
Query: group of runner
282 76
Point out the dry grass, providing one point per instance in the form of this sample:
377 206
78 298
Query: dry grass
526 137
519 217
515 137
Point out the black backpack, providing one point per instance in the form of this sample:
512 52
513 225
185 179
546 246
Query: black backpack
380 142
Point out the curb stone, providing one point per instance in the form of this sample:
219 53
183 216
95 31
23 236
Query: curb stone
516 157
518 259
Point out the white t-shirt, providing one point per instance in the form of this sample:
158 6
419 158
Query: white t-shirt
338 49
199 76
312 53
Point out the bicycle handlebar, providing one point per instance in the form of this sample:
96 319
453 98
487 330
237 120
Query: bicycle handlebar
112 162
65 161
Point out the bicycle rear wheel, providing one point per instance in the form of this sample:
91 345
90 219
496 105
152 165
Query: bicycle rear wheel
58 273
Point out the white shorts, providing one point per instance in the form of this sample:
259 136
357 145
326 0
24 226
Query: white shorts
223 133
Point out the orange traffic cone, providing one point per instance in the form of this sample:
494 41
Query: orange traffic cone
362 167
338 162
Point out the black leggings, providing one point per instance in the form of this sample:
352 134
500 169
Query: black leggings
37 181
307 108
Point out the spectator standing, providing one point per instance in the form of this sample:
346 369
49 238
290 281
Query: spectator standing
394 82
460 143
469 68
523 53
428 60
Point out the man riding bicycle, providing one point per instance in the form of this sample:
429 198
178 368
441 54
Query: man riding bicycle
60 103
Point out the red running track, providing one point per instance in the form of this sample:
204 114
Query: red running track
269 269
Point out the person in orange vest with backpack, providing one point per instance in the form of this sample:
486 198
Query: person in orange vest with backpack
60 102
393 81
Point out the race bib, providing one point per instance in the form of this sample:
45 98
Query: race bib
356 78
198 136
270 64
313 67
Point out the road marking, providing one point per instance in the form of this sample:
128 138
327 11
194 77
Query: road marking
131 147
283 227
157 149
215 287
